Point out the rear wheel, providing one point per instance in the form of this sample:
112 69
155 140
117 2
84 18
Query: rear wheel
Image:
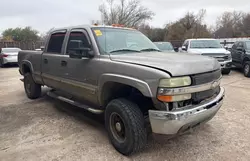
32 89
1 63
125 125
246 69
226 71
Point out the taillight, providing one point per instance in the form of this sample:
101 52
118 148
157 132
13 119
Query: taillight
5 55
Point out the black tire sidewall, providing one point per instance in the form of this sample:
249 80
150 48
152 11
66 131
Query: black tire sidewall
246 74
129 143
226 71
1 63
35 89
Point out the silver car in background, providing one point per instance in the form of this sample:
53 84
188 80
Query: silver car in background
8 56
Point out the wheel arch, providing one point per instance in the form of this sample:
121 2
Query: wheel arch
25 67
111 82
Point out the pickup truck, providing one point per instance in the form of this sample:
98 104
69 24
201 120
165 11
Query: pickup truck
241 56
120 73
212 48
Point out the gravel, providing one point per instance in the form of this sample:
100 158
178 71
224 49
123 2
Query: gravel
47 129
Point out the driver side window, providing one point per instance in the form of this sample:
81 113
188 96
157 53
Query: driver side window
79 37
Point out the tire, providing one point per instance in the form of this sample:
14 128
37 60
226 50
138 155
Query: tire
32 89
132 126
226 71
246 69
1 63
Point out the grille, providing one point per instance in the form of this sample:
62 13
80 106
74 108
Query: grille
200 96
205 78
219 57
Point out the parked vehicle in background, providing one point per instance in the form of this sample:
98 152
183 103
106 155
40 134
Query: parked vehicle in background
8 56
212 48
241 56
119 72
165 46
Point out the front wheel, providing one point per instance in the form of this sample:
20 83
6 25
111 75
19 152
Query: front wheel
125 125
32 89
246 69
226 71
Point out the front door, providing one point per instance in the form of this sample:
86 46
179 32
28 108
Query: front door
240 52
80 81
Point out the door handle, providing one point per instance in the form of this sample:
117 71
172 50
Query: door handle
45 61
63 63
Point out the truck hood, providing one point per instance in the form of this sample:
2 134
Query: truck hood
177 64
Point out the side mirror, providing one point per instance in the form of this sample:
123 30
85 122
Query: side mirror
42 48
184 48
77 51
226 47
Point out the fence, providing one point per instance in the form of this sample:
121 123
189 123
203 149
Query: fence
22 45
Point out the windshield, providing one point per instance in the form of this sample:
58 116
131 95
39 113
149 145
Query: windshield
248 44
119 41
205 44
10 50
164 46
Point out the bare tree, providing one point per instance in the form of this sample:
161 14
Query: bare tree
190 26
229 24
126 12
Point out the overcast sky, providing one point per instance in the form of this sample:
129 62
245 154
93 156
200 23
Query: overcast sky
45 14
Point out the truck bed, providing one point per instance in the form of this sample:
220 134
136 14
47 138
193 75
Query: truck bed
32 58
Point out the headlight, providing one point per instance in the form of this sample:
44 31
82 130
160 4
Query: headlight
175 82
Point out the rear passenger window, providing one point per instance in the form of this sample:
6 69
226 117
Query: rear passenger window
80 37
56 43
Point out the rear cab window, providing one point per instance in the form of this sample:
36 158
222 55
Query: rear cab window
56 41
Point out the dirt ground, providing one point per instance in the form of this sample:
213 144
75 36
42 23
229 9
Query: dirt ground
49 130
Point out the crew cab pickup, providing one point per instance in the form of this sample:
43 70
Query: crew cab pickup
212 48
119 72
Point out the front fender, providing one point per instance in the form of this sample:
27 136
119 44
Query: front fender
142 86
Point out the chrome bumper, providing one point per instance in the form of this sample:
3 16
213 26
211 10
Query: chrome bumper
171 123
226 64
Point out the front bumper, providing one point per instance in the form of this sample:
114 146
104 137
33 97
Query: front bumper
172 123
226 64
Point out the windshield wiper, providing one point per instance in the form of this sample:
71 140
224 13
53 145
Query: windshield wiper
150 49
121 50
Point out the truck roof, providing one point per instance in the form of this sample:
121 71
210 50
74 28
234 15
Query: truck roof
89 26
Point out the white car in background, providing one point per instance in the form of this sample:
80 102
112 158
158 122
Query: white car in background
212 48
8 56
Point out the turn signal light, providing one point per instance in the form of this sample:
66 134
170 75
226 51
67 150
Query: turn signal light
175 98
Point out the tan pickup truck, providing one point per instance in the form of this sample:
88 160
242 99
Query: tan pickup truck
119 72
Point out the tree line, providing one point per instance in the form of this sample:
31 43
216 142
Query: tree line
132 13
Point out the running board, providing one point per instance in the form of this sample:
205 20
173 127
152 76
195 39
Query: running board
92 110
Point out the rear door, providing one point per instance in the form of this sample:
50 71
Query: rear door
52 60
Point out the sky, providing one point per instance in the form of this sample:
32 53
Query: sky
43 15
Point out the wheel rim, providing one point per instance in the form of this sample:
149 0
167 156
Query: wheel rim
117 127
246 69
